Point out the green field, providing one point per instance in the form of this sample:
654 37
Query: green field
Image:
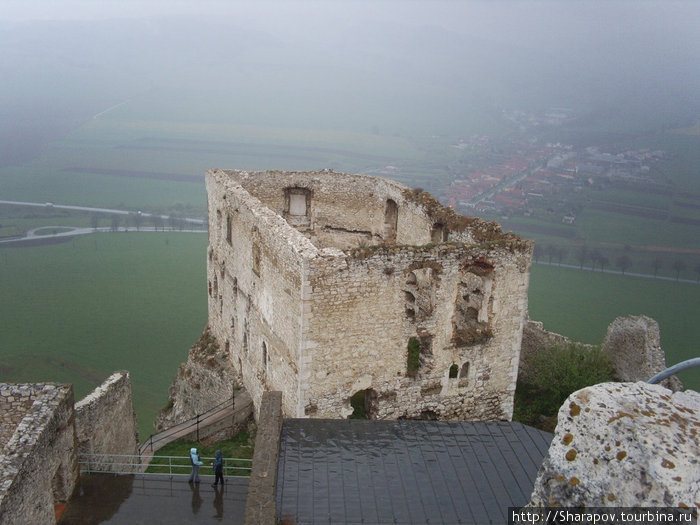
581 305
75 312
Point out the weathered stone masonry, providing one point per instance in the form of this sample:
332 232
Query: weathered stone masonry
317 282
38 464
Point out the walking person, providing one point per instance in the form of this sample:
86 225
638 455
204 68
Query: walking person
218 469
194 459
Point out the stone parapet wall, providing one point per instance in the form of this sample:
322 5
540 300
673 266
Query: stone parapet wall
38 462
15 402
261 505
105 424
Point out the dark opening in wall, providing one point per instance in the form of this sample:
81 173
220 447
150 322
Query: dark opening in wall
422 284
391 219
464 375
454 370
438 233
473 309
413 356
364 404
264 356
228 229
256 259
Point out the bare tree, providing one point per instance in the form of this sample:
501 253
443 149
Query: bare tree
623 262
604 261
582 255
678 266
537 252
561 253
94 221
116 219
656 264
136 219
551 251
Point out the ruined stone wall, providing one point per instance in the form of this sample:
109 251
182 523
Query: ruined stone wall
366 308
340 204
105 425
632 344
322 305
38 464
255 288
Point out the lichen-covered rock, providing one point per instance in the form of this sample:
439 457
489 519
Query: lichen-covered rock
633 343
204 381
623 444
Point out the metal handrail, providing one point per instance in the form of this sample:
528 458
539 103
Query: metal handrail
185 425
683 365
120 464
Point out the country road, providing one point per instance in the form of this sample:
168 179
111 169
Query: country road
34 235
98 210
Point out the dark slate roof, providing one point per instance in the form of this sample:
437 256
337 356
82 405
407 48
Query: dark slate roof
376 472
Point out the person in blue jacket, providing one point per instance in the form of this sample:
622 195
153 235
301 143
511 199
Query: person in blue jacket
194 459
218 469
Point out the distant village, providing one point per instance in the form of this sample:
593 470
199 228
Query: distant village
517 176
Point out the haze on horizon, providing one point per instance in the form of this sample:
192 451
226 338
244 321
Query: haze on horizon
408 68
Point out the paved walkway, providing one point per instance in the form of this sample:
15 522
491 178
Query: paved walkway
150 499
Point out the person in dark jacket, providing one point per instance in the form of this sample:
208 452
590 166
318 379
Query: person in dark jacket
218 469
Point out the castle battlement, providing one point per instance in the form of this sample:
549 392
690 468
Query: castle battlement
319 282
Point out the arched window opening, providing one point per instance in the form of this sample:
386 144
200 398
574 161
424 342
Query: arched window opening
454 370
391 219
464 375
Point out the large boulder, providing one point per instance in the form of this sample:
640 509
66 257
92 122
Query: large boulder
623 444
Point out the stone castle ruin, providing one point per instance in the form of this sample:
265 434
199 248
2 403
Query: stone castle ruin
328 286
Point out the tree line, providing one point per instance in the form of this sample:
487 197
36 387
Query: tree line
596 258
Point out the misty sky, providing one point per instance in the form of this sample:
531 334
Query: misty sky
397 65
